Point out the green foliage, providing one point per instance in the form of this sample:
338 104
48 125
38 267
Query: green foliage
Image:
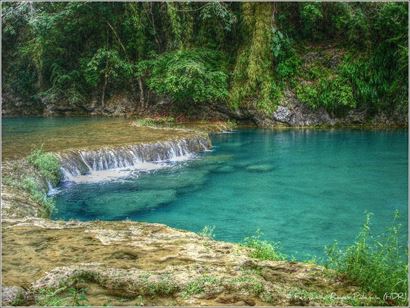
163 286
253 84
30 185
311 17
373 87
374 262
207 232
19 300
199 285
47 164
218 11
261 249
333 93
64 296
196 76
107 63
216 24
243 55
286 59
248 282
156 122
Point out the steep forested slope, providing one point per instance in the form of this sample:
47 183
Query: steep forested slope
295 63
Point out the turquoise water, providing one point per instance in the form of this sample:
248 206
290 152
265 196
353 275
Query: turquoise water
302 188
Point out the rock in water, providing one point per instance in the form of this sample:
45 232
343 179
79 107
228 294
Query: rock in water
260 168
225 169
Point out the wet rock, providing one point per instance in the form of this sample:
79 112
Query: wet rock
294 113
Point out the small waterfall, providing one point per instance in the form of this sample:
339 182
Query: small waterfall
50 189
76 163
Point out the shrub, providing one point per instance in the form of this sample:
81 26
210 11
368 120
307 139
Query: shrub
374 262
334 92
30 185
47 164
196 75
286 59
312 17
261 249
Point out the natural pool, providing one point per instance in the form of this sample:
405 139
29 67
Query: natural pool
303 188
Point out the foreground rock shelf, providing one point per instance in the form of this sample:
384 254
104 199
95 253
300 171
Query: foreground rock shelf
120 262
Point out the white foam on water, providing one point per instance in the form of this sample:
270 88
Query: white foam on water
52 190
107 175
112 164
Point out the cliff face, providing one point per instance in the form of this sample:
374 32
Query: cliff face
292 112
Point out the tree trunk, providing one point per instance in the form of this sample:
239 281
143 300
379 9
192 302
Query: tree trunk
103 92
274 10
141 86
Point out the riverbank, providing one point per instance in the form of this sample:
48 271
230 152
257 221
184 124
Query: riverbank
130 263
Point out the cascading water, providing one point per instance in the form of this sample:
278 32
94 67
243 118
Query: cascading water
76 164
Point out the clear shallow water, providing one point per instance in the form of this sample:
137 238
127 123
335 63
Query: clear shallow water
21 135
303 188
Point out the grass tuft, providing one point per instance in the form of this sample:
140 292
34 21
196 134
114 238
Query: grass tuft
163 286
199 285
376 263
64 296
47 164
156 122
261 249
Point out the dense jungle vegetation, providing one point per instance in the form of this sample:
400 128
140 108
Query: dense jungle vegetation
240 55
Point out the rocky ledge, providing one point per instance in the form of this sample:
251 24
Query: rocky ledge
131 263
291 112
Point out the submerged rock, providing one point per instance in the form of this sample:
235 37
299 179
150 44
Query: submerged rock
126 204
173 179
260 168
225 169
